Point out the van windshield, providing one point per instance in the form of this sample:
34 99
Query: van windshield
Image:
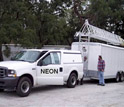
28 56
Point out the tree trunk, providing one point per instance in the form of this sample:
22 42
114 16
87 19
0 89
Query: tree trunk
1 56
76 6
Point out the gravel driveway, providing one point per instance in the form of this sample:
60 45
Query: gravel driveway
87 95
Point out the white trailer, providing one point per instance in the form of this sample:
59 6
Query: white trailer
109 49
112 55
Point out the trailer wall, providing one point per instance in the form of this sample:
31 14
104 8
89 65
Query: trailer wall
112 55
114 60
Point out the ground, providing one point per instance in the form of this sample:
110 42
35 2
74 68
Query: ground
87 95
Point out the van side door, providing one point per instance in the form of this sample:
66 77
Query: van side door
49 69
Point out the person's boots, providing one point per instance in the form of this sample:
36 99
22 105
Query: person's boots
77 82
81 81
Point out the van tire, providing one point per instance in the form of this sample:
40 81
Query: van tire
24 87
117 77
72 81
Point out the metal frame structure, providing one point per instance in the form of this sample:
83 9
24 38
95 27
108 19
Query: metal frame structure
91 31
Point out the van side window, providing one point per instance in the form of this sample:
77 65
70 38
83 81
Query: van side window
55 57
51 58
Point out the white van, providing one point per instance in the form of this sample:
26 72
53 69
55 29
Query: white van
35 67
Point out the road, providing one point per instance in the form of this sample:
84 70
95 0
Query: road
87 95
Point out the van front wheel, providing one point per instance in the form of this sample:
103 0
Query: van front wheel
72 81
24 87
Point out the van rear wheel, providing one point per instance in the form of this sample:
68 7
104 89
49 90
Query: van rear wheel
72 81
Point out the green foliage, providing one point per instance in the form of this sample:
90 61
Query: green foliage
34 24
107 14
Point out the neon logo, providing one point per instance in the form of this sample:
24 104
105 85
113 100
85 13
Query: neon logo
49 71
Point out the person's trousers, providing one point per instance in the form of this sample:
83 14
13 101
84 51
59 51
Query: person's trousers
101 77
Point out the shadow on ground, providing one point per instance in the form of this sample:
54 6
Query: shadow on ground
93 81
41 89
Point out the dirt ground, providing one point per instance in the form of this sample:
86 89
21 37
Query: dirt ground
87 95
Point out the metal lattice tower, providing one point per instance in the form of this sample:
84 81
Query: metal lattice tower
90 31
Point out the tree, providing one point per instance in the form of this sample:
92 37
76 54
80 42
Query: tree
33 24
107 14
15 26
52 27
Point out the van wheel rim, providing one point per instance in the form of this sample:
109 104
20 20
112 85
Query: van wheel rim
73 80
25 87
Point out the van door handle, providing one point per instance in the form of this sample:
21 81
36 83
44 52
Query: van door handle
60 69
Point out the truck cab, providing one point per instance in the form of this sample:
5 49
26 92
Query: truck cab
37 67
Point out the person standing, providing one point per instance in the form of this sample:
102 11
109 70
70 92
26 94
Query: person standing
101 67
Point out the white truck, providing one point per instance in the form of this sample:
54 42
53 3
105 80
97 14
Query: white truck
105 44
36 67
